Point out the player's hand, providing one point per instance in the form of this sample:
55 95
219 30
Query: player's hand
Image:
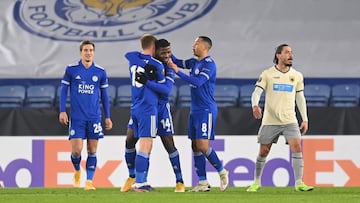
150 71
108 124
172 65
141 78
304 127
63 118
257 112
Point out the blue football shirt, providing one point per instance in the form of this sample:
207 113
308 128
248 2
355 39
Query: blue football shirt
143 98
202 85
85 89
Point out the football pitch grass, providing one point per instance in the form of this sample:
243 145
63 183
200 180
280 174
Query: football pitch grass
166 195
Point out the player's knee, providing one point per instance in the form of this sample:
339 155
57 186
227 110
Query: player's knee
264 152
76 153
170 148
130 141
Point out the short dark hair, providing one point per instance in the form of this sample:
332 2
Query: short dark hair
161 43
207 40
278 50
86 42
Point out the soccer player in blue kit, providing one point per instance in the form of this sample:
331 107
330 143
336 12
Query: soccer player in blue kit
165 124
144 108
88 83
203 113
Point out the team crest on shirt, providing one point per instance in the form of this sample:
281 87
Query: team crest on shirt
72 132
292 78
197 71
106 20
95 78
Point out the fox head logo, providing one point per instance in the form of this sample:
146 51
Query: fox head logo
112 12
106 20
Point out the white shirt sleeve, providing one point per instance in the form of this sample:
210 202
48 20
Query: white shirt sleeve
301 104
255 96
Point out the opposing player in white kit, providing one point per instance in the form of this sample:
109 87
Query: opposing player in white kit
284 88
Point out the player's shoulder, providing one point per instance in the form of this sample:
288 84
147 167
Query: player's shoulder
269 70
207 63
156 61
296 72
73 64
99 67
209 59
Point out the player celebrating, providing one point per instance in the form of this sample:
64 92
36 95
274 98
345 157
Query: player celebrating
284 87
144 109
87 81
203 113
165 124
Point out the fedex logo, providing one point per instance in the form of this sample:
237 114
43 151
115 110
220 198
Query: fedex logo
331 169
336 165
45 167
45 162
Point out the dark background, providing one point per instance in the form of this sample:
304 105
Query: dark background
231 121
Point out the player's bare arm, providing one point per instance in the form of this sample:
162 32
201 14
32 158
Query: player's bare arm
304 127
257 112
108 124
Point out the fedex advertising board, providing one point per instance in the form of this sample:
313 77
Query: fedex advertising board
45 162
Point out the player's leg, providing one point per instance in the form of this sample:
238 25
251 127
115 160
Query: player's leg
95 132
259 166
267 136
174 157
203 145
166 131
76 148
200 167
205 131
91 163
76 136
130 151
211 155
293 137
145 129
199 159
130 154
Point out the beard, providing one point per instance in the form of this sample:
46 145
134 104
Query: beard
288 64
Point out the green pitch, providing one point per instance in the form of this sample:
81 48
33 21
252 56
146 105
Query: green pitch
166 195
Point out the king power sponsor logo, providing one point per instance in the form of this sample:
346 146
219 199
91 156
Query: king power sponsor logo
45 162
108 20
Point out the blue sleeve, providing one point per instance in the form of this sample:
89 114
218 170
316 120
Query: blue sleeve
186 64
105 101
104 84
163 88
190 63
196 81
160 70
134 57
178 62
63 97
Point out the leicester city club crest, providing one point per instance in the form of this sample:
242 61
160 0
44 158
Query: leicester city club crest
106 20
